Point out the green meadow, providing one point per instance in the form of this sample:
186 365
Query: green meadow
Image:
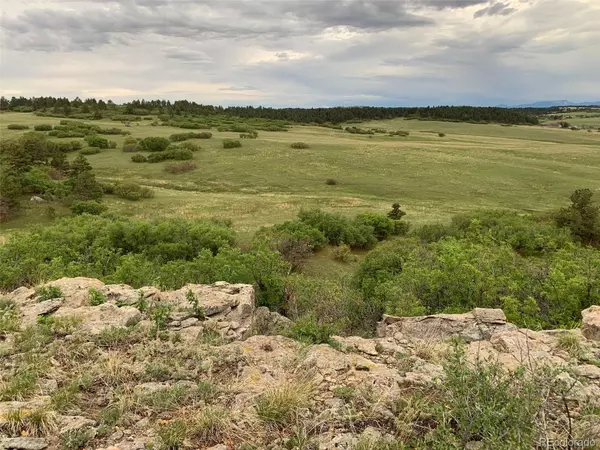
473 166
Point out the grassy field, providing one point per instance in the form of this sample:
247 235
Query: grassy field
265 181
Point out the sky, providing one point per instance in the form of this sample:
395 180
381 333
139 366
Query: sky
303 52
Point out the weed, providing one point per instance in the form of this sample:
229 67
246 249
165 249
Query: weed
570 343
19 386
279 405
9 317
75 439
210 425
171 434
46 293
198 310
96 297
346 393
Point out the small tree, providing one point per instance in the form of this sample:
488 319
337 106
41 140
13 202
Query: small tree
79 165
396 213
582 217
85 187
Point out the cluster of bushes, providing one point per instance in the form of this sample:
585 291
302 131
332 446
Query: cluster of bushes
231 143
154 144
93 140
32 164
399 133
139 158
132 191
176 153
177 137
65 147
90 151
299 145
17 126
42 127
356 130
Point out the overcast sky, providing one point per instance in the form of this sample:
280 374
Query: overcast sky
304 52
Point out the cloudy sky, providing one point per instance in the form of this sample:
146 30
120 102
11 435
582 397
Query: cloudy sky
303 52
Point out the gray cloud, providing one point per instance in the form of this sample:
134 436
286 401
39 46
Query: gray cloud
495 9
303 52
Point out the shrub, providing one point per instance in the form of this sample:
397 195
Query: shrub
9 317
171 434
338 229
90 151
132 191
17 126
65 147
109 131
129 140
94 140
309 331
383 227
442 134
231 143
88 207
280 405
399 133
96 297
482 401
154 144
181 167
343 253
189 146
177 137
331 181
46 293
175 153
299 145
42 127
139 159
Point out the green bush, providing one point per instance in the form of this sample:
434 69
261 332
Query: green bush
88 207
90 151
132 191
175 153
17 126
299 145
46 293
309 331
96 297
139 159
42 127
482 401
177 137
154 144
94 140
339 230
231 143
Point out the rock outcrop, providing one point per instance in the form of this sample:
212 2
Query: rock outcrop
218 355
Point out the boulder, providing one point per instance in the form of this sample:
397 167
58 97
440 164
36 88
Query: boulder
269 322
23 443
97 318
477 325
590 323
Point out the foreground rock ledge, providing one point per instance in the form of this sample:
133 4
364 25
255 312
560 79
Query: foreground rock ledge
406 355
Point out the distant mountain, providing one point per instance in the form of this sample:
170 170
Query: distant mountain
551 103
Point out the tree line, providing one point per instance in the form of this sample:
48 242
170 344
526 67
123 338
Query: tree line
97 109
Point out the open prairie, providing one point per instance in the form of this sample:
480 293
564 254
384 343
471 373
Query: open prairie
473 166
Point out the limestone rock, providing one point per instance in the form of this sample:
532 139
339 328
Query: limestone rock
476 325
23 443
97 318
269 322
590 323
